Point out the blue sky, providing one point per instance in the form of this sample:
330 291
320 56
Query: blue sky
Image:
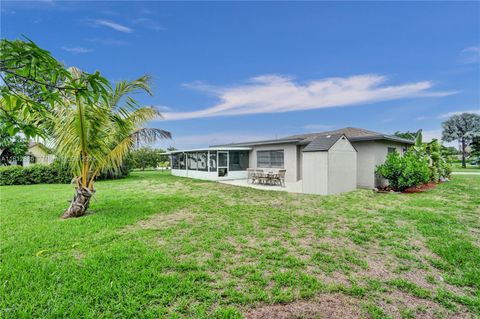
231 71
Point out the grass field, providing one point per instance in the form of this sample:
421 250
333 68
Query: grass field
457 167
159 246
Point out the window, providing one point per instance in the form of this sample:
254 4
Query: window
192 161
222 159
213 161
391 150
202 161
174 161
404 150
270 159
181 160
238 160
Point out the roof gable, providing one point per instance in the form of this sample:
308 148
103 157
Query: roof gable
322 142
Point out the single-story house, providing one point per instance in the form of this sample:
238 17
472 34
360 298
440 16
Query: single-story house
38 154
325 163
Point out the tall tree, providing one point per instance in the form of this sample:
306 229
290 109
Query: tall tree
462 128
145 157
94 131
12 148
32 81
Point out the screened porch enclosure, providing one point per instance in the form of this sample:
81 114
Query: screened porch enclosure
212 164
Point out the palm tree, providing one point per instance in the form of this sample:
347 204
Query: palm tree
94 132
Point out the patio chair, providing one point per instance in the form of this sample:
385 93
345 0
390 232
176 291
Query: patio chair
280 177
260 176
251 176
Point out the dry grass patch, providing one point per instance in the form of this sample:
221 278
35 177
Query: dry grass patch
162 221
332 306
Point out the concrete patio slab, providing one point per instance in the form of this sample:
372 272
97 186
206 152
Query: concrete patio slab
295 187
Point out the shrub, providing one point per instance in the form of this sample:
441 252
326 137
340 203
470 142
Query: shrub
34 174
146 157
55 173
404 172
439 167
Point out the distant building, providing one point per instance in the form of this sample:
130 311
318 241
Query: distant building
38 154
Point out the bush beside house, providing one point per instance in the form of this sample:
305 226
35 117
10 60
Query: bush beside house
405 171
421 164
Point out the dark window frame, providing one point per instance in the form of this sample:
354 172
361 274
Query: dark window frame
182 161
199 160
391 149
238 160
174 159
270 163
192 158
212 168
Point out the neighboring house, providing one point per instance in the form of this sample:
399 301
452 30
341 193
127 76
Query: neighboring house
38 154
325 163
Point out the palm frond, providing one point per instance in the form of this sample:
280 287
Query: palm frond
151 135
94 135
123 88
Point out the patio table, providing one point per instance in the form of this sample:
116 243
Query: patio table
268 178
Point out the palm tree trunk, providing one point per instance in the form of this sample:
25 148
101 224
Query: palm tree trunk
79 204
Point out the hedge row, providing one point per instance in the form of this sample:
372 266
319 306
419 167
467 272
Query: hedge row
34 174
43 174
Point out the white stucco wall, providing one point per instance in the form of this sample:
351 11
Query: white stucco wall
211 176
41 157
370 154
289 157
330 172
315 173
342 167
365 164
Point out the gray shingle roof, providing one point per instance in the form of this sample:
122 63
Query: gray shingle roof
322 142
352 133
347 131
275 141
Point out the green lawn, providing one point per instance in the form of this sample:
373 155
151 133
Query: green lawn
160 246
457 167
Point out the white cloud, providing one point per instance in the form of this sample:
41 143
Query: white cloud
447 115
471 54
274 94
77 49
113 25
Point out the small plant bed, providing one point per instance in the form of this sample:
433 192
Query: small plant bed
421 188
413 189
